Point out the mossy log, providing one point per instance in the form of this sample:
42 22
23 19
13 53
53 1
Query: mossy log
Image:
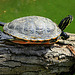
37 59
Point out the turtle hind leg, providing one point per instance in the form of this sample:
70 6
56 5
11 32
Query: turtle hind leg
4 36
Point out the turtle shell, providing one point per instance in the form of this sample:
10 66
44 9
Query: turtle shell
32 28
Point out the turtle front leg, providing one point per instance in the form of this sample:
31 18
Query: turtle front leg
64 36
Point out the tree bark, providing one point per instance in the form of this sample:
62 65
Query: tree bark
37 59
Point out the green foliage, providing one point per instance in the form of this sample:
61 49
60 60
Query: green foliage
55 10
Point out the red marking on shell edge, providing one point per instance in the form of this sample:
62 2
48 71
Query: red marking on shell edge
29 42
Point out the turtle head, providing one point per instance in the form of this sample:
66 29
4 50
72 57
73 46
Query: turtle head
65 22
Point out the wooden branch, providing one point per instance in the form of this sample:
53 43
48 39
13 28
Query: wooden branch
37 59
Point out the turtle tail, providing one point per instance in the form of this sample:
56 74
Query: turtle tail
65 22
2 23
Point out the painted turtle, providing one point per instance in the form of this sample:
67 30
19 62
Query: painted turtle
35 30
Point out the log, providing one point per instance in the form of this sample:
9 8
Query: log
37 59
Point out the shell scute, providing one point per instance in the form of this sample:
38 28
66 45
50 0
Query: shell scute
32 28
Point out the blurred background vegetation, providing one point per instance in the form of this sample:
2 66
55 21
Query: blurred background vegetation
53 9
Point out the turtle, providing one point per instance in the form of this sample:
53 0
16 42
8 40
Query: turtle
35 30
